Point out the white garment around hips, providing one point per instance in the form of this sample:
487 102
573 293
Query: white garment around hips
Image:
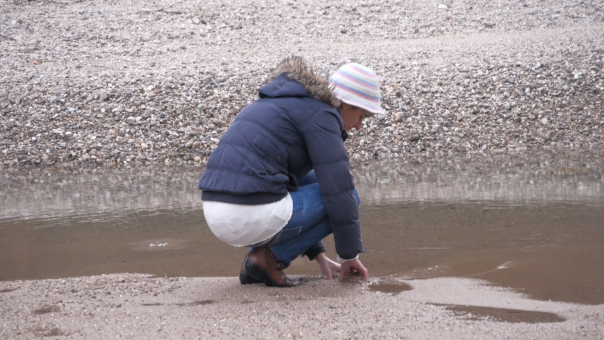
242 225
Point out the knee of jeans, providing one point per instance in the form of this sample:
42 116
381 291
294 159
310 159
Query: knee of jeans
356 193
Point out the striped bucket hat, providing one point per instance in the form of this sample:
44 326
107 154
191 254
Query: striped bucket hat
357 85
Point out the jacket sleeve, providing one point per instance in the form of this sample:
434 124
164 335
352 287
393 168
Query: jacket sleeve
323 138
314 250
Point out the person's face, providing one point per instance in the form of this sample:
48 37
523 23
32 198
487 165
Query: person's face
353 116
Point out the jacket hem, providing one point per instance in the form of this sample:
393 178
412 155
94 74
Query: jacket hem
247 199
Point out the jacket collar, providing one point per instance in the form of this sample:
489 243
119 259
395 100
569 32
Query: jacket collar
317 87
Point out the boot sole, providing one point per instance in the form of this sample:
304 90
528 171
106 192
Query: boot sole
246 279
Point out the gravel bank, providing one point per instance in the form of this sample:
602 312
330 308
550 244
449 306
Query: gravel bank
138 306
133 82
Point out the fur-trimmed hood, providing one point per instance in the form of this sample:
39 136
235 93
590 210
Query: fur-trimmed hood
296 69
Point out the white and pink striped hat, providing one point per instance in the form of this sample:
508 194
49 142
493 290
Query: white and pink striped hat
357 85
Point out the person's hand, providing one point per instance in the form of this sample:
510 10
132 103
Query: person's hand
353 267
328 267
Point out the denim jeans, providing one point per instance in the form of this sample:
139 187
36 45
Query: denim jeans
308 224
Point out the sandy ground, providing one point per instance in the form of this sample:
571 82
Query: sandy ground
144 307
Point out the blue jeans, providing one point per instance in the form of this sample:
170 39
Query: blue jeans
308 224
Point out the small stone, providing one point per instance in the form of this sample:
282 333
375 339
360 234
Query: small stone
414 138
506 106
104 96
435 128
189 144
543 121
196 20
443 6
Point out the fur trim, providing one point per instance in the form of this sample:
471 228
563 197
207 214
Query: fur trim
296 69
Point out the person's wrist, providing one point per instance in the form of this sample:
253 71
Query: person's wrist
341 260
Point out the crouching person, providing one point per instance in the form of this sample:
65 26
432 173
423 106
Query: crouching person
279 180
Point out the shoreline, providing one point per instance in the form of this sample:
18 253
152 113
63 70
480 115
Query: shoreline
135 306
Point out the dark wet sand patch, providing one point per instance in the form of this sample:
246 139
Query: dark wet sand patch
46 310
502 314
196 303
47 332
7 290
392 288
184 304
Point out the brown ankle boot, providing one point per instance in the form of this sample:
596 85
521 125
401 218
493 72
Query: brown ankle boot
244 277
262 264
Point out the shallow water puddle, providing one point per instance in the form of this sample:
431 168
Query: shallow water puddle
525 226
393 288
502 314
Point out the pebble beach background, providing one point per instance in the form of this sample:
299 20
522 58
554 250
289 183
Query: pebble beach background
131 83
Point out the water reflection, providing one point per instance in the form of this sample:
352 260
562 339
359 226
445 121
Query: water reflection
508 181
107 193
94 196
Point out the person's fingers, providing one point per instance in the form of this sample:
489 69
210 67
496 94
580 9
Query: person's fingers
353 268
327 273
335 267
342 274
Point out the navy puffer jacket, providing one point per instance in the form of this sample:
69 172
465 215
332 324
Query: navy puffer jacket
292 129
